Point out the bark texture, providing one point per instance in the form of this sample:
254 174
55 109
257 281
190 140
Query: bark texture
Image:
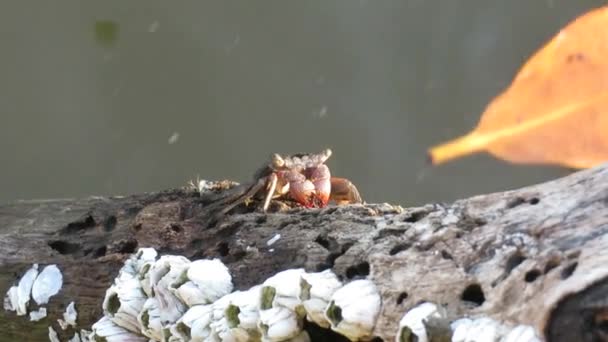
537 255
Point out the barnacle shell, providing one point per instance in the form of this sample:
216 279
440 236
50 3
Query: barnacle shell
165 274
105 330
302 337
354 308
248 303
286 287
279 324
11 300
76 338
47 284
235 316
24 289
70 315
144 277
200 328
53 337
193 325
316 290
134 264
521 333
38 314
125 298
224 316
207 281
123 302
173 299
413 322
477 330
486 329
149 320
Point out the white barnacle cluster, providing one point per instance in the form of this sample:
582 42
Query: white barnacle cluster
39 286
151 295
487 329
173 299
429 322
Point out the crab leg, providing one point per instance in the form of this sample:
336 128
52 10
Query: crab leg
252 190
272 187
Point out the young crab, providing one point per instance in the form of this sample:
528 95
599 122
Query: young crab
303 178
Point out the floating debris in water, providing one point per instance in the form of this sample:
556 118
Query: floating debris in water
173 138
153 27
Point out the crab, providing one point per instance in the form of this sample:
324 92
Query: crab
302 178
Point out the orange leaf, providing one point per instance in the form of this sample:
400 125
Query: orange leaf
556 109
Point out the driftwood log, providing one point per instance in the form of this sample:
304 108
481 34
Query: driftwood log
536 256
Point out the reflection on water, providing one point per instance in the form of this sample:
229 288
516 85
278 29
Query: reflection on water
115 98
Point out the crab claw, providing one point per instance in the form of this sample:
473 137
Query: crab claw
303 192
344 191
320 177
299 187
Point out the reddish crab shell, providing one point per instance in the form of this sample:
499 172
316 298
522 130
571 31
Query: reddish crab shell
303 178
307 180
310 187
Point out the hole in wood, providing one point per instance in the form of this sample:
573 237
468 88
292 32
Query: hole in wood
318 333
402 296
81 224
600 323
322 267
99 252
64 247
322 240
361 269
568 270
125 246
260 219
514 261
176 228
415 216
329 261
446 255
532 275
399 248
573 254
223 249
517 201
474 294
551 264
331 258
109 223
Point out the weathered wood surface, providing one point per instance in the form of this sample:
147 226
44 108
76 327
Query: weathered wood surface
538 255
